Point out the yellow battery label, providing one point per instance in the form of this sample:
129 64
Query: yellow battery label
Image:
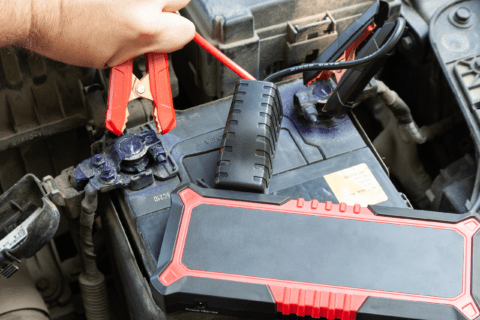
356 185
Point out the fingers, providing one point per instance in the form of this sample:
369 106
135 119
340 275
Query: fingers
171 32
177 32
174 5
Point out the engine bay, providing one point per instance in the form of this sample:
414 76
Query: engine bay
344 183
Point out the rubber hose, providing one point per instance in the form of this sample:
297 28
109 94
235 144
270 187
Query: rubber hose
95 298
92 281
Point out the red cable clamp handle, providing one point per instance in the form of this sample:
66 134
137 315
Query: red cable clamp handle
154 86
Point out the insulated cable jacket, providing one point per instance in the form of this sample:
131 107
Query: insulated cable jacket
222 57
385 49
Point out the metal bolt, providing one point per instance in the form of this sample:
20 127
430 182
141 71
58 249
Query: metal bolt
108 174
407 43
98 160
310 113
462 15
141 89
312 118
158 153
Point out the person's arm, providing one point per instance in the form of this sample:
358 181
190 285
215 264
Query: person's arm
14 21
94 33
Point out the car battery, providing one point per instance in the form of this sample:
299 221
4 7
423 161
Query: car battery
330 237
263 36
328 161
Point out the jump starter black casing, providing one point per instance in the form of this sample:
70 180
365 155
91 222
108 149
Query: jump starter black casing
259 256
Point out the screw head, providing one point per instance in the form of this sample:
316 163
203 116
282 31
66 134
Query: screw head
462 15
141 89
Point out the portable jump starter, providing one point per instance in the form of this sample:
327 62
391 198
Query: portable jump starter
258 255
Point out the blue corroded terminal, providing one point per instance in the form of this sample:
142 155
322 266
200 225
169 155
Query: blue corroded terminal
131 161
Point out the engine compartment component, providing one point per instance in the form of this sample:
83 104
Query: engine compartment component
458 60
252 33
450 191
40 97
28 220
21 300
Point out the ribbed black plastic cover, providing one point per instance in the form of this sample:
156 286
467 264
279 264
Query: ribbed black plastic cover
250 137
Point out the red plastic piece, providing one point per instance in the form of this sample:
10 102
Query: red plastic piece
157 68
328 205
357 208
119 90
300 202
314 303
222 57
316 300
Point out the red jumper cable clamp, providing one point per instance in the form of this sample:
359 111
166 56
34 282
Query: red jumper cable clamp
154 86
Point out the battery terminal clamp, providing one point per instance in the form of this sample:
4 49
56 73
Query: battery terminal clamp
133 161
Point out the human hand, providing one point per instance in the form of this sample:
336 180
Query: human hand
101 33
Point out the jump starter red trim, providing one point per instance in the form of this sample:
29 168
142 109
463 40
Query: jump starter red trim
317 300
